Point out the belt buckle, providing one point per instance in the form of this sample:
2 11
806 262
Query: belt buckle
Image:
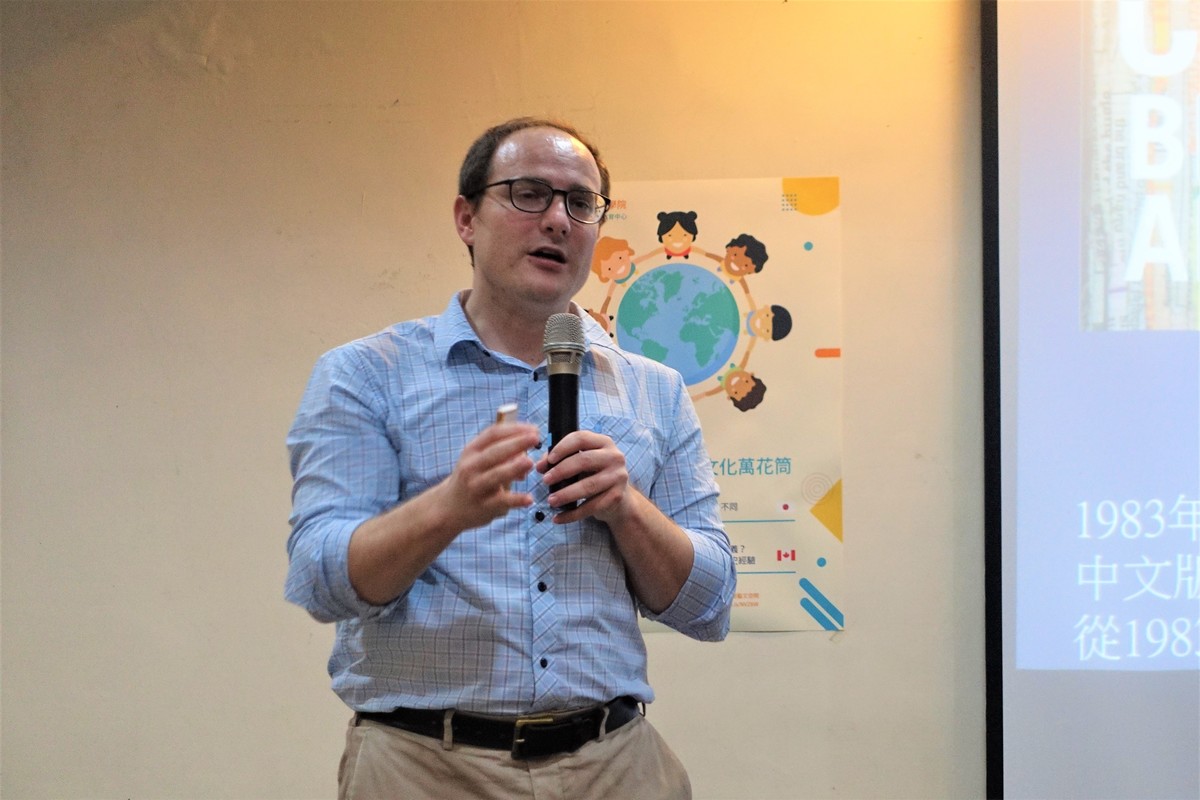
519 748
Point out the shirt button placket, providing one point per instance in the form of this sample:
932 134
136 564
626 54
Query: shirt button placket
543 537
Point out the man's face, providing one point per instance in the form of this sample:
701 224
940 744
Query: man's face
536 262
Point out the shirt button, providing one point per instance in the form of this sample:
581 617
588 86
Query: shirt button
544 663
542 586
539 516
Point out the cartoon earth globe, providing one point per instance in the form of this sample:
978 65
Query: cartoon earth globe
680 315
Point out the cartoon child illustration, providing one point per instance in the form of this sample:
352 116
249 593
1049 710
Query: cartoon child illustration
769 322
612 262
677 230
743 255
743 388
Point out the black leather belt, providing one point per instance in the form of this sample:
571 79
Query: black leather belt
530 736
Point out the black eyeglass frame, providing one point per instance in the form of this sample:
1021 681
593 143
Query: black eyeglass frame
566 193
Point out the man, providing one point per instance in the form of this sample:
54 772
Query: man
487 633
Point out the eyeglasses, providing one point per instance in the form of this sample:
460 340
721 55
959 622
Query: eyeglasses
534 196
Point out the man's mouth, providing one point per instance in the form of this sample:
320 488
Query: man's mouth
550 254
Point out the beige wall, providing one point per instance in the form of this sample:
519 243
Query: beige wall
199 198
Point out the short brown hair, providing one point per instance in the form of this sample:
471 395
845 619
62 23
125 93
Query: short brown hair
473 174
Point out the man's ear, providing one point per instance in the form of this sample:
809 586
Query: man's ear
464 220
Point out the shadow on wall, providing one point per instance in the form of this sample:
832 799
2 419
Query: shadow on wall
31 30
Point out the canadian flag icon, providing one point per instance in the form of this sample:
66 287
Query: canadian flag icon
785 555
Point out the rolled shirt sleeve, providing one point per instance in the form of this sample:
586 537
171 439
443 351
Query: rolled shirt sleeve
345 471
687 492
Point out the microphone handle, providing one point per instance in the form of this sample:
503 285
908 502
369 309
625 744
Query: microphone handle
564 416
564 406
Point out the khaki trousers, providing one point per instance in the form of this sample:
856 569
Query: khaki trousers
384 763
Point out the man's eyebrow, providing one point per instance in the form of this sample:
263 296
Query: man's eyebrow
571 188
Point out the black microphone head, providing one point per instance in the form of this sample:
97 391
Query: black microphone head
564 344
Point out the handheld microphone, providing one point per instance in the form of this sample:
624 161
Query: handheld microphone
564 347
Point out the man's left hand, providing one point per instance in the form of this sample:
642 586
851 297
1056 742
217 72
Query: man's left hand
603 480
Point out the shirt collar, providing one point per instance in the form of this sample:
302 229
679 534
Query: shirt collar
593 332
453 328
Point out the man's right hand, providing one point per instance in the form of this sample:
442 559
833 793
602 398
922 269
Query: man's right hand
478 489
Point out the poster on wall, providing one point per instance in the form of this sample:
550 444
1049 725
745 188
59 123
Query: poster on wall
737 285
1140 270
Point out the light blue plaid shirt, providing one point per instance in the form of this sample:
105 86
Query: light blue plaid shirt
520 615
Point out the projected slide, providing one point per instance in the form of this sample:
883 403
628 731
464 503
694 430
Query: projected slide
1107 380
1141 169
1099 325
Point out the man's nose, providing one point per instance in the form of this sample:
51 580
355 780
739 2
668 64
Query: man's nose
556 217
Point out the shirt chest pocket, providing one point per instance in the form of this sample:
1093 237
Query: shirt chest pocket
642 445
